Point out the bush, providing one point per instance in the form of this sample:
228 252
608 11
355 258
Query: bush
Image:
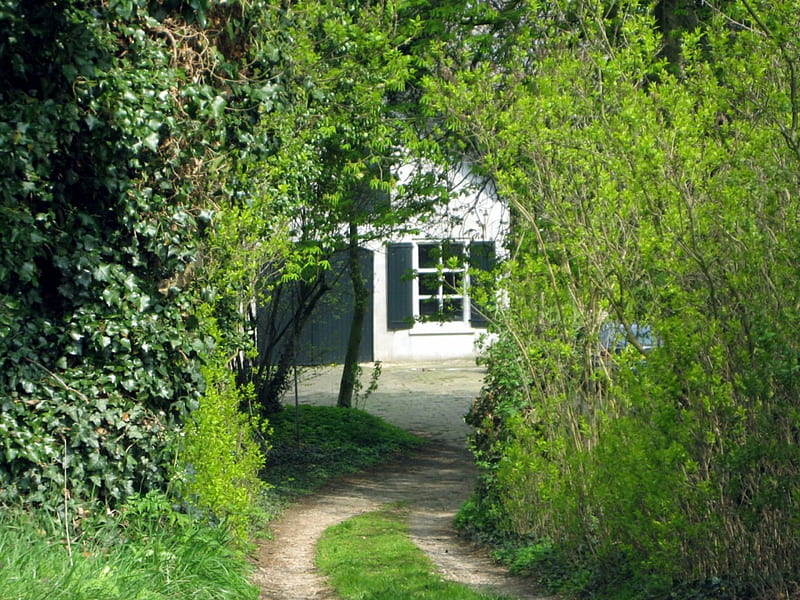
224 450
659 203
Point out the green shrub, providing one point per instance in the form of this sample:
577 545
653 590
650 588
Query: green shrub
650 193
223 453
503 394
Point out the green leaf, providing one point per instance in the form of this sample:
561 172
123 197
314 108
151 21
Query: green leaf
151 141
102 272
111 296
218 106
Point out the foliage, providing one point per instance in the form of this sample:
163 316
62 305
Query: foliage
326 442
340 142
160 156
147 552
503 397
371 556
98 364
649 188
360 398
130 200
224 454
504 394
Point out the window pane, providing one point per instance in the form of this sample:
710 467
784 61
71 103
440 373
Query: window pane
429 307
452 254
428 284
428 256
454 309
453 283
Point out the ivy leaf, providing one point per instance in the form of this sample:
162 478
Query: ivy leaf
111 296
151 141
91 121
102 272
218 106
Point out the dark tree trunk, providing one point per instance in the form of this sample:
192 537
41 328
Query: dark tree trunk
360 300
674 17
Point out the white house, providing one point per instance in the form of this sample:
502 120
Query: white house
421 306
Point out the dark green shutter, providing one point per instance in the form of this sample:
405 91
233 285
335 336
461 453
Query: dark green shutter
399 282
481 258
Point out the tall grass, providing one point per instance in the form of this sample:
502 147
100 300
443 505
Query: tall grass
147 552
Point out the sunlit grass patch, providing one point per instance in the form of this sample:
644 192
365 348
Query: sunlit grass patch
147 553
371 557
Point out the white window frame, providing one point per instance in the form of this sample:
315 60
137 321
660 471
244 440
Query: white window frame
434 325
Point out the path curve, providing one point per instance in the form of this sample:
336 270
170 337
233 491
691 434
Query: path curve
435 481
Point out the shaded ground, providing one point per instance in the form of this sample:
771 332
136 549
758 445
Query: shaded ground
429 401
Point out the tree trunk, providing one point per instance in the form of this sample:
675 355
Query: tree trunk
360 298
674 17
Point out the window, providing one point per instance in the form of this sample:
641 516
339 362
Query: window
441 281
430 281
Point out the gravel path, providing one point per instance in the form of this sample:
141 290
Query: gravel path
429 401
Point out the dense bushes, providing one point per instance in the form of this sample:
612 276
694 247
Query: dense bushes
155 156
114 121
650 193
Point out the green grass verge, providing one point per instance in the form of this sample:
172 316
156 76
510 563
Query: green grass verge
332 442
370 557
149 552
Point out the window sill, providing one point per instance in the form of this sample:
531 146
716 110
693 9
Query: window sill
442 329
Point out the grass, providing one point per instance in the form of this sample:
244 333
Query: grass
370 557
148 552
151 551
332 442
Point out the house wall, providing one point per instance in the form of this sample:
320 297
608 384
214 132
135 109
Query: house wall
474 214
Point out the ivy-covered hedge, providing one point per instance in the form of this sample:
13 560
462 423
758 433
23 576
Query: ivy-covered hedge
101 216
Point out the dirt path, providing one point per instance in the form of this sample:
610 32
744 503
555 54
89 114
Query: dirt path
435 482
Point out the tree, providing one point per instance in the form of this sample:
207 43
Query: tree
342 140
